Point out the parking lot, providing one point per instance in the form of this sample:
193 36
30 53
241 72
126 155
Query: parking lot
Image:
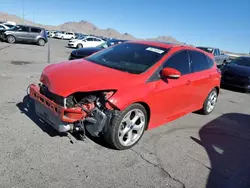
194 151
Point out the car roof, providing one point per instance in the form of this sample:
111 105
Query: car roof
30 26
160 44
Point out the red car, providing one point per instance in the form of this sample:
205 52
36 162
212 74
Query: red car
123 90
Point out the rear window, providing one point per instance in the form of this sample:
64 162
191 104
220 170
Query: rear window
35 30
199 61
129 57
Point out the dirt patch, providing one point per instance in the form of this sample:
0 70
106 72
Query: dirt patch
21 62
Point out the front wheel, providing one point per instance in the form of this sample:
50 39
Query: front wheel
79 46
127 127
210 102
11 39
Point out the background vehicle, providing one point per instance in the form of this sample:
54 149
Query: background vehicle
65 35
9 24
3 27
25 33
59 34
84 52
88 41
123 90
220 57
237 73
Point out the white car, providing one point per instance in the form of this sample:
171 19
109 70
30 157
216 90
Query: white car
9 24
52 34
3 27
87 41
65 35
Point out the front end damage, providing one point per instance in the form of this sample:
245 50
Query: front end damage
90 110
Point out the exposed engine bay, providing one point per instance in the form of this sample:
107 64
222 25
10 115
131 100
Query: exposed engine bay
96 110
93 104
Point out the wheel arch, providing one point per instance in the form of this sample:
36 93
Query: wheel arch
11 35
147 108
217 89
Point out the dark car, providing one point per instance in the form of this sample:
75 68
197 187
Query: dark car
84 52
25 33
237 73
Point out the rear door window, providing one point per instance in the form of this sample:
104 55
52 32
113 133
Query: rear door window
179 61
35 30
199 61
90 39
23 29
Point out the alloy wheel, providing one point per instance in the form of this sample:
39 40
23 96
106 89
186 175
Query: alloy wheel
131 127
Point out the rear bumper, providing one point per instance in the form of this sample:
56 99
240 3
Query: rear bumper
53 113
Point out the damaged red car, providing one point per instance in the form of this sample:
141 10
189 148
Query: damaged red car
126 89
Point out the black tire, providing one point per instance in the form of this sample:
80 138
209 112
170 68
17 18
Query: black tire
11 39
204 109
41 42
112 132
79 46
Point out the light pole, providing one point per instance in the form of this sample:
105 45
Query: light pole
23 10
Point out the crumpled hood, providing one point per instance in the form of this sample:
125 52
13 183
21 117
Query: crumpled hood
81 76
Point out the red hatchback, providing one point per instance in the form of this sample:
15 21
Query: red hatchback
123 90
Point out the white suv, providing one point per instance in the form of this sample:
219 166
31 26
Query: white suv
65 35
87 41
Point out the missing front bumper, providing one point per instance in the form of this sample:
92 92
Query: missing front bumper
49 117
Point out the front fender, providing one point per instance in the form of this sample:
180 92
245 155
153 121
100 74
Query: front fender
122 99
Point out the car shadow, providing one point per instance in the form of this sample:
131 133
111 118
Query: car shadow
25 43
227 143
27 106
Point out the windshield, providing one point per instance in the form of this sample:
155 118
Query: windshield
81 37
209 50
129 57
242 61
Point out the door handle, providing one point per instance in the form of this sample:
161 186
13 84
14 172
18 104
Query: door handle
209 76
188 82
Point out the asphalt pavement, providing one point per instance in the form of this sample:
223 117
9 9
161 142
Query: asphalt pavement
194 151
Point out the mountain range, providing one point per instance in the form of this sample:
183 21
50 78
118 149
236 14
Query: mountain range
82 27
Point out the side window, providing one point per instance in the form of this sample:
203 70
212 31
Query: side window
35 30
23 29
215 52
179 61
89 39
218 51
1 27
199 61
210 62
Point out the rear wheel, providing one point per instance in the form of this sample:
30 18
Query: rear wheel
127 128
11 39
210 102
41 42
79 46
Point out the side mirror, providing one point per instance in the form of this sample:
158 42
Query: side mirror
170 73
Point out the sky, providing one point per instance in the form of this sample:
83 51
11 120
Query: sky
216 23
